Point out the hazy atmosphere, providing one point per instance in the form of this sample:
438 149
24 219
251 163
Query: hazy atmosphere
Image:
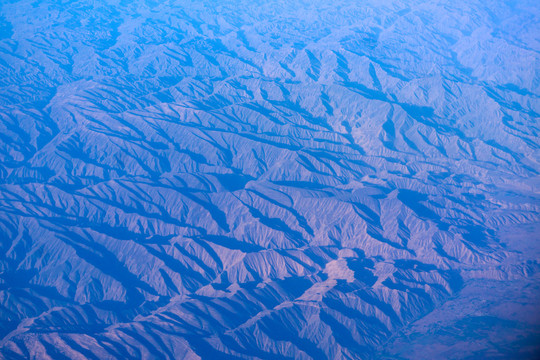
269 179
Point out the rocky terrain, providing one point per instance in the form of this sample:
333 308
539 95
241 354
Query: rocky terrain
269 179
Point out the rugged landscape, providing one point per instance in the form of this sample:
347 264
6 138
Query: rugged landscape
276 179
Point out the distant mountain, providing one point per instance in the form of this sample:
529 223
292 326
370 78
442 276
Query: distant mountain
269 179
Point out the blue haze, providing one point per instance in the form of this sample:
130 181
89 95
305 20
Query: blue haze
269 179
